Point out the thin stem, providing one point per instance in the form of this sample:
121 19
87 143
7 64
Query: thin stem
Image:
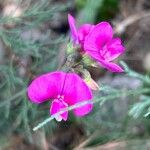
134 74
102 99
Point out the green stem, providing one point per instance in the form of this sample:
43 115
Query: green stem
134 74
102 99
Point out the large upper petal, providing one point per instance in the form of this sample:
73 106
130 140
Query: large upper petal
74 33
46 86
75 90
114 49
97 38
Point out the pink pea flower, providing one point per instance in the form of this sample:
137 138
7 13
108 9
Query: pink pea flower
101 46
64 89
78 35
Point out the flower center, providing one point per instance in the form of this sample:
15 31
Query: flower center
57 105
103 51
60 98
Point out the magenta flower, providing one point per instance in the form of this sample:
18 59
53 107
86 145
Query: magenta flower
101 46
78 36
64 89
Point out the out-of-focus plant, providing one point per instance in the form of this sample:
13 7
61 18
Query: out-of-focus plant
27 58
27 52
106 126
99 10
89 10
141 108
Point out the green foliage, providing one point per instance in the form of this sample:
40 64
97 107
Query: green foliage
26 58
106 125
80 4
108 10
40 55
96 11
89 11
142 107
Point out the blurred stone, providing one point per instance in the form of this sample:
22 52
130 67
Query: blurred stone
137 33
12 10
146 62
118 108
121 81
146 4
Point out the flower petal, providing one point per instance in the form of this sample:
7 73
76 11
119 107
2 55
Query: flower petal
56 107
98 37
68 85
84 31
74 33
83 110
111 66
75 91
46 86
114 49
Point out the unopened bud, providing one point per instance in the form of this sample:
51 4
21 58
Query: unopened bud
92 84
89 81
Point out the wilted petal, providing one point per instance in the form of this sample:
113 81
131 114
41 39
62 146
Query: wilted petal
92 84
98 37
46 86
75 91
114 49
111 66
56 107
74 33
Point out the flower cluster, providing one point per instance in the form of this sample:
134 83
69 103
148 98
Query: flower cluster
67 89
98 42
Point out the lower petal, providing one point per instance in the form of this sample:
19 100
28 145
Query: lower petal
56 107
111 66
83 110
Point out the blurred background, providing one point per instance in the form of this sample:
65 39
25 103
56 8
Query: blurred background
33 40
